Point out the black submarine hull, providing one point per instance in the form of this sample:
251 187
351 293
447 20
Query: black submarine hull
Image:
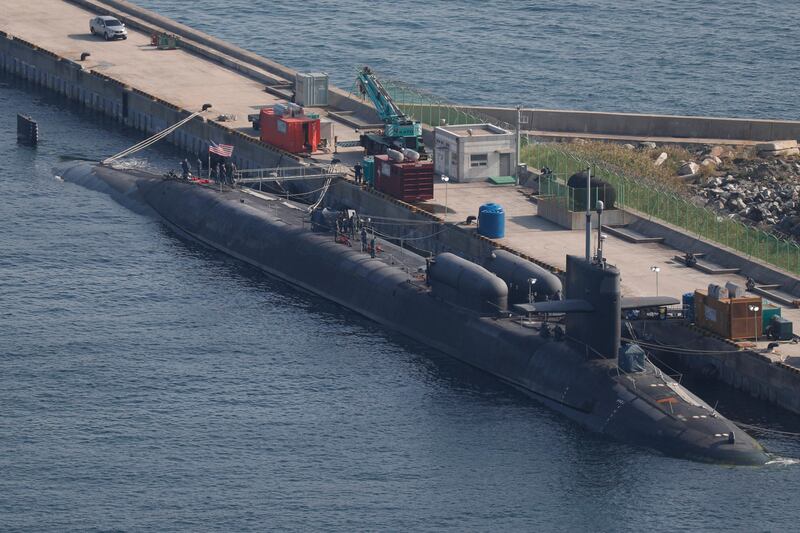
561 374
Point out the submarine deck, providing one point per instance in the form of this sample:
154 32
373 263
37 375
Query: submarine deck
537 237
295 214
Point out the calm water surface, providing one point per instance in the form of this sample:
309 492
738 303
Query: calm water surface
725 58
147 382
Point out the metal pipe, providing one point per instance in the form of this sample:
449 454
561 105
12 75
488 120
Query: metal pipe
588 214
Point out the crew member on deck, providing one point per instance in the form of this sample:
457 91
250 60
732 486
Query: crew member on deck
359 172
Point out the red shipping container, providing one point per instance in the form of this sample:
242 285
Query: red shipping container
409 182
294 134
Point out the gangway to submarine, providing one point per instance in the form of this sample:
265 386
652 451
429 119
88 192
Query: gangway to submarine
251 176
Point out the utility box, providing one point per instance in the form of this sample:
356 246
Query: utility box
474 152
368 163
781 328
767 312
311 90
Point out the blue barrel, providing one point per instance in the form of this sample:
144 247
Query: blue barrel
492 221
688 306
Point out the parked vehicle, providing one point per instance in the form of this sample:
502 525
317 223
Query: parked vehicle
109 27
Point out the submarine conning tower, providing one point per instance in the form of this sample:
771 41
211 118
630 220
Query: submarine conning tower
597 284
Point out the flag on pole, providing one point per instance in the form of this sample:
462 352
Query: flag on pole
223 150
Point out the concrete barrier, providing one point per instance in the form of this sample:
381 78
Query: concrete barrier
545 120
642 125
555 210
125 10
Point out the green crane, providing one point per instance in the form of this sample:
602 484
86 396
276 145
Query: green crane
399 131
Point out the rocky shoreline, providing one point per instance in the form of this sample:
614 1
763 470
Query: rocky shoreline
761 189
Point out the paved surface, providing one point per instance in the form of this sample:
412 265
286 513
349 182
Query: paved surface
537 237
176 76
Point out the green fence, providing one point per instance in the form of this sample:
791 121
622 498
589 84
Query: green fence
642 194
661 203
432 110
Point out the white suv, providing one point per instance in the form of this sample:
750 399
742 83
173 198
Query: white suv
109 27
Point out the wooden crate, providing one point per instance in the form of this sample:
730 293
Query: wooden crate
729 317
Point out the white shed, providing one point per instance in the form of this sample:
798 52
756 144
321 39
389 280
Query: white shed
474 152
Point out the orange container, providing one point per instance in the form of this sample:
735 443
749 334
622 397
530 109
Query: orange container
298 134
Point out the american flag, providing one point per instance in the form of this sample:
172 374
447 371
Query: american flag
224 150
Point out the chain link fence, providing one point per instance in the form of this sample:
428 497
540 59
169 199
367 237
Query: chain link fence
639 193
642 195
433 110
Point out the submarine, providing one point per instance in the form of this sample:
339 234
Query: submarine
562 347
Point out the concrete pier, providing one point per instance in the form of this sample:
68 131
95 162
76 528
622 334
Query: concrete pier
144 87
149 89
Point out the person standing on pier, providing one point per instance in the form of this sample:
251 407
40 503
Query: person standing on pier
359 172
223 174
185 169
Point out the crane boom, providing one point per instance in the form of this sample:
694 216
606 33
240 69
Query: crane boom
399 128
384 105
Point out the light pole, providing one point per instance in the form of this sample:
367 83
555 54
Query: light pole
445 179
516 169
755 309
531 283
656 270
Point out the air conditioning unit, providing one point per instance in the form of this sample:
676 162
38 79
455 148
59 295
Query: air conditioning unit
311 89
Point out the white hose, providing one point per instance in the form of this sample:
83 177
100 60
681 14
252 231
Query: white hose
150 140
